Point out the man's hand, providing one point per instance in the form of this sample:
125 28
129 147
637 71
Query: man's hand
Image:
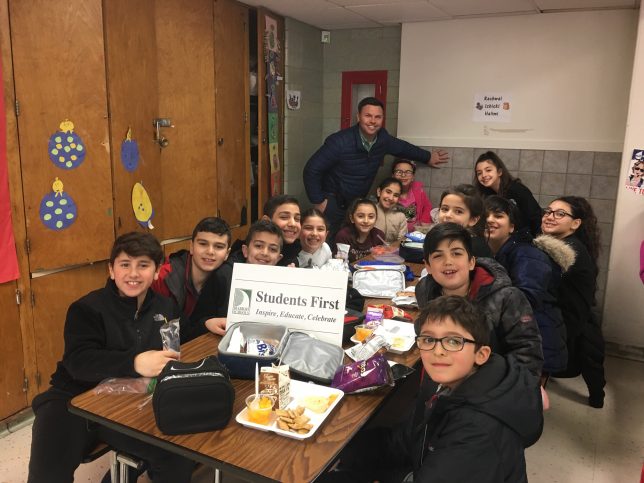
439 156
216 325
321 206
150 363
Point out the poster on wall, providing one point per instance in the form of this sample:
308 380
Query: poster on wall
272 58
635 174
293 99
492 107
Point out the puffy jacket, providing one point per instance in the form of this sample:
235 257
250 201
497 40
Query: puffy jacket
507 312
535 268
479 431
175 281
392 223
342 167
420 209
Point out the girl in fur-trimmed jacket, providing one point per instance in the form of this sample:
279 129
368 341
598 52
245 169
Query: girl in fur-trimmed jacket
535 267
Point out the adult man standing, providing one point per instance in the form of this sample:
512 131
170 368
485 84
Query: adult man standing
344 168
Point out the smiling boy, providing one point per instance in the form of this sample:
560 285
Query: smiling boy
110 332
184 274
487 409
453 270
473 426
284 211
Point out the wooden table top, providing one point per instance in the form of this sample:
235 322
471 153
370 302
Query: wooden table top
248 453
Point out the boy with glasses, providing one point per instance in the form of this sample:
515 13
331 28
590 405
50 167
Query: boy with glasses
474 427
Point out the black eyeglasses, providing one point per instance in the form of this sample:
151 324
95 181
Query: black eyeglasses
451 343
400 172
558 214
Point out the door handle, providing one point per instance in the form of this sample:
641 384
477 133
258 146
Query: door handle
220 141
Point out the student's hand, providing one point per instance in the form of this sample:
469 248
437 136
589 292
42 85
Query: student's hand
216 325
150 363
439 156
321 206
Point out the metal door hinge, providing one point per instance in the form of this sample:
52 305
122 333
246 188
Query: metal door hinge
18 297
27 245
17 107
25 381
33 299
245 116
38 379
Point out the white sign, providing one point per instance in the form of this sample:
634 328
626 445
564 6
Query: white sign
492 107
299 298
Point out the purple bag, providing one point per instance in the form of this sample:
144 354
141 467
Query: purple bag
363 376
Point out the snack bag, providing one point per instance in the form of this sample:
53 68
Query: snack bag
169 333
390 312
276 381
364 375
373 316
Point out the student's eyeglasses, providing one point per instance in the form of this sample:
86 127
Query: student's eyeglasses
558 214
400 172
638 169
451 343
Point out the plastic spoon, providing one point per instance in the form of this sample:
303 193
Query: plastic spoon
256 380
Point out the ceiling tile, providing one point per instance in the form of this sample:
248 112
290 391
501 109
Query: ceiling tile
573 4
405 12
487 7
365 3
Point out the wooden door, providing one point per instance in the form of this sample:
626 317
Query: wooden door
130 36
59 72
232 107
12 372
185 61
51 296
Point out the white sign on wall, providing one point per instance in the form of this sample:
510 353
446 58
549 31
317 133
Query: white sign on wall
305 299
492 107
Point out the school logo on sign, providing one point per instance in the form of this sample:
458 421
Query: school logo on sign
241 301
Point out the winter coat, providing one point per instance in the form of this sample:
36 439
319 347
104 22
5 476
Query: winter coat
507 312
343 168
416 206
392 223
479 431
175 281
577 291
535 268
104 332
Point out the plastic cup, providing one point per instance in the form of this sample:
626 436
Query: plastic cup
362 332
259 408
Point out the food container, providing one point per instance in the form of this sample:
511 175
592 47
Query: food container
259 408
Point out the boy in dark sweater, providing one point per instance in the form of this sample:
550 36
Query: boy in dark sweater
185 272
473 427
110 332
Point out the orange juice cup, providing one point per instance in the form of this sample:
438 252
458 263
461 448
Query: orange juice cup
259 408
362 332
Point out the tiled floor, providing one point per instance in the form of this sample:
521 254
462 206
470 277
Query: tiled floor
579 444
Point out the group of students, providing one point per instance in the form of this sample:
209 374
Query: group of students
490 288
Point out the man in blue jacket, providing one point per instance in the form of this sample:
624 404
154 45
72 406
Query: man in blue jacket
344 168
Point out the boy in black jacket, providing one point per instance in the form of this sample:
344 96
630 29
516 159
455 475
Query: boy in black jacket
475 427
110 332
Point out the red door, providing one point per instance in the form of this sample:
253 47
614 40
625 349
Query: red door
357 85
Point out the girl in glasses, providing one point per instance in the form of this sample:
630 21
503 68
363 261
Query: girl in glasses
491 177
413 199
571 219
535 268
